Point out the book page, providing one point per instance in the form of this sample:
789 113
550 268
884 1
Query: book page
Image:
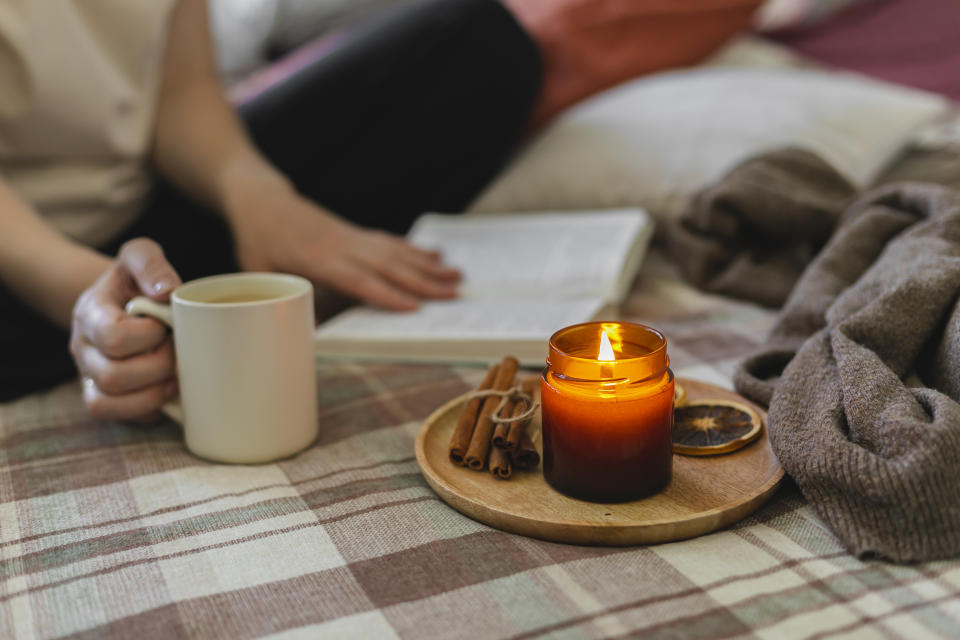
538 255
524 277
464 319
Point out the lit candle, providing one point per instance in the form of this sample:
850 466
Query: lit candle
607 397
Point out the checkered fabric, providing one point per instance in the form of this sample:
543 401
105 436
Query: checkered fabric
115 530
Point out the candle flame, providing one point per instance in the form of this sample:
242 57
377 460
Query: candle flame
606 350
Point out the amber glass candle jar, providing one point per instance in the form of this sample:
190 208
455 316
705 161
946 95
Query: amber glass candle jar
607 395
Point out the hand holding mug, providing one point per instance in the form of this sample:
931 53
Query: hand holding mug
127 363
245 364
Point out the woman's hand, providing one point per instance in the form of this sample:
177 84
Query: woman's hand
126 363
282 231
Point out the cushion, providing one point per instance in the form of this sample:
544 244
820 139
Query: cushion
910 42
796 14
590 45
654 141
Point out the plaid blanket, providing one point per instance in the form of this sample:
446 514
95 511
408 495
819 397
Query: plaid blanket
114 530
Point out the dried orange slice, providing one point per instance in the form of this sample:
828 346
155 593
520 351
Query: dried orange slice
709 427
679 394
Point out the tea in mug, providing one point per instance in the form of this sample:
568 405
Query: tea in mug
240 297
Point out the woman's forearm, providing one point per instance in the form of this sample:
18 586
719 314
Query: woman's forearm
40 265
200 144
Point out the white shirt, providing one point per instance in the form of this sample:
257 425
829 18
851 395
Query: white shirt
78 90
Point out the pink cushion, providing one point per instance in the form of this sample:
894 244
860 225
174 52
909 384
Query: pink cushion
276 72
910 42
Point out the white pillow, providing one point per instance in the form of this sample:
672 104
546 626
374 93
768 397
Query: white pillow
655 141
791 14
241 34
244 31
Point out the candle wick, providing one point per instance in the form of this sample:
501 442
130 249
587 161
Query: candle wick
606 371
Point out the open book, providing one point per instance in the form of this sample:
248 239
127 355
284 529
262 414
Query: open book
524 277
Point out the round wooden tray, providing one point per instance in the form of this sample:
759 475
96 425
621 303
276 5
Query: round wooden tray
705 493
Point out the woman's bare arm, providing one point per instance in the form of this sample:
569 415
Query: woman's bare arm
40 265
202 147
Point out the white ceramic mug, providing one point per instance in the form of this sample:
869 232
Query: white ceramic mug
245 363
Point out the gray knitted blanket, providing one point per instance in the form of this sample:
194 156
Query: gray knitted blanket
753 233
862 371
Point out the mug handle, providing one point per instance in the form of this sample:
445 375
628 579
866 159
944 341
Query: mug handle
143 306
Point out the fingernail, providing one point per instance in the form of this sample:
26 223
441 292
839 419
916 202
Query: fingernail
162 286
171 389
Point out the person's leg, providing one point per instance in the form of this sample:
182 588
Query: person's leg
33 350
195 240
415 109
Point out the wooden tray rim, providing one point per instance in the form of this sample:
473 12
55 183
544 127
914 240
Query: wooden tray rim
727 515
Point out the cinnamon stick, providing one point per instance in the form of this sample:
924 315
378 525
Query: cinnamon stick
502 429
526 457
519 427
500 463
460 439
476 457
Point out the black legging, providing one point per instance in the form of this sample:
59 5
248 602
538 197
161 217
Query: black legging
413 110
